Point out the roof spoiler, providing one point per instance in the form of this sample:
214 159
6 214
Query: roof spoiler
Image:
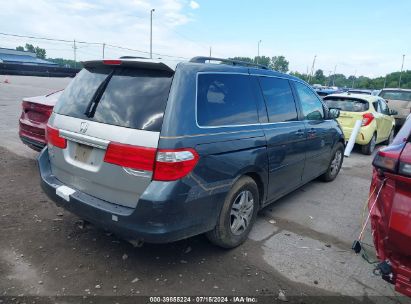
143 64
203 59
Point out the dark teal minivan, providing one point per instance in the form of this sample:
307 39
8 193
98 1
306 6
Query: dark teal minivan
159 152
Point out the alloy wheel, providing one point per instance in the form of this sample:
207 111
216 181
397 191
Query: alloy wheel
241 212
336 162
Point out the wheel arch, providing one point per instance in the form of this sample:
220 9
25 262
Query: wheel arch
260 185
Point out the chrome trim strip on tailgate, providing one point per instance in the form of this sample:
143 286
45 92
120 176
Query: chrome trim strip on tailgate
84 139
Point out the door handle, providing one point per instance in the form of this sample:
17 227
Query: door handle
299 133
312 131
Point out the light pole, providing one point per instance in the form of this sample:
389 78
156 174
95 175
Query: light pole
258 49
402 66
151 32
312 69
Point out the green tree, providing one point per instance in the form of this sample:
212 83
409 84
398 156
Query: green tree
279 63
68 63
30 48
319 77
263 60
40 53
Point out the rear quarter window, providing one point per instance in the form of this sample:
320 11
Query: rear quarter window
225 100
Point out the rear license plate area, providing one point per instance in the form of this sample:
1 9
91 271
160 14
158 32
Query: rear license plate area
82 153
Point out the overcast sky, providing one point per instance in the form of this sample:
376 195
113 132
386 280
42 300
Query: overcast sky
366 36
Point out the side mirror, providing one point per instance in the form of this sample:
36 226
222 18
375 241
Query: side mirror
333 113
393 112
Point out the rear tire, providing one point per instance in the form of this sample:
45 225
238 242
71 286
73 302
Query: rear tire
390 137
370 147
237 215
335 164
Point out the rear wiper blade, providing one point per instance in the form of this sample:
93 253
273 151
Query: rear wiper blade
92 105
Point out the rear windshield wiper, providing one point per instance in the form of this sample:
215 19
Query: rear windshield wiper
92 105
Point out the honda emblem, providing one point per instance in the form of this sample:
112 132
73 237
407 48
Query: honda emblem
83 127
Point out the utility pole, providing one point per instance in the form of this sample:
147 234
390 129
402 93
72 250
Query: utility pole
104 46
258 50
312 69
329 79
75 53
210 51
335 67
151 32
385 81
402 66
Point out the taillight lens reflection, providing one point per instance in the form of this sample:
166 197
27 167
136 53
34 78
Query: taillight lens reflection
174 164
166 165
53 137
367 118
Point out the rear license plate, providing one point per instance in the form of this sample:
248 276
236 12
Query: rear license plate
83 153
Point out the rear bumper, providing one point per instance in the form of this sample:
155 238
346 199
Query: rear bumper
32 135
34 144
164 213
390 223
364 135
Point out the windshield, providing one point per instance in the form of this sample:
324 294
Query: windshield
396 95
126 97
347 104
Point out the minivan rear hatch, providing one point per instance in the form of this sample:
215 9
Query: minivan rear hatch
108 119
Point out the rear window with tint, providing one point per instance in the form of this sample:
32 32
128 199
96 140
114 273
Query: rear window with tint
225 99
396 95
347 104
133 98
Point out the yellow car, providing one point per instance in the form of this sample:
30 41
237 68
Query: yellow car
377 119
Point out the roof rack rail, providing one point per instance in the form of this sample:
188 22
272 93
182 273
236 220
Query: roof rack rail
133 57
203 59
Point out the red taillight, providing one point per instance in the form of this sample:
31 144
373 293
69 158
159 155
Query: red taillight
41 108
367 118
404 166
112 62
174 164
53 137
129 156
387 158
166 165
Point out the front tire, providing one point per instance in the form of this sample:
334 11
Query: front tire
237 215
335 164
370 147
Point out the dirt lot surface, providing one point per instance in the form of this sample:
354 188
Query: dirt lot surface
299 248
